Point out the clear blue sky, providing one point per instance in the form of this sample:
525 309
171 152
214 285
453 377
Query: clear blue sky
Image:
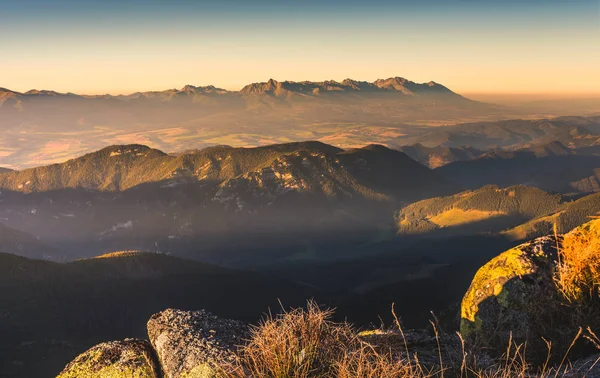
104 46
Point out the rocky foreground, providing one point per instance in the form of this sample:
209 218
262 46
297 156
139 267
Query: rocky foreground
521 297
182 344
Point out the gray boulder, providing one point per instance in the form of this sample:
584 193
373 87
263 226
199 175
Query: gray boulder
192 344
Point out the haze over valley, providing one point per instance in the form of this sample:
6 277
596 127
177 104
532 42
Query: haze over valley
44 126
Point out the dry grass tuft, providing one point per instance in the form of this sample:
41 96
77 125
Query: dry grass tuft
578 269
368 363
301 343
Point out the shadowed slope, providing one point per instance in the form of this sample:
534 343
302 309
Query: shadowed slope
111 298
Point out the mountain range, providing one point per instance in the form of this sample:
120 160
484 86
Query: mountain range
135 197
271 87
45 126
118 168
304 198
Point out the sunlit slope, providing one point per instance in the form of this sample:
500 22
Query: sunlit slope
489 209
569 216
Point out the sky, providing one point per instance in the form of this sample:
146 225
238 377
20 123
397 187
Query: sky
486 46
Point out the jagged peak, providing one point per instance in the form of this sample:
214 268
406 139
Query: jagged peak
43 92
189 88
208 88
397 84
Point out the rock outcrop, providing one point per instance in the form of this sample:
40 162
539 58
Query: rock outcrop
191 344
116 359
517 295
507 293
197 344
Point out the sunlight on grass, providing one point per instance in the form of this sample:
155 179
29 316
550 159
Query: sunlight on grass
456 217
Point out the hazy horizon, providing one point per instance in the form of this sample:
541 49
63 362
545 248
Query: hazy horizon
492 46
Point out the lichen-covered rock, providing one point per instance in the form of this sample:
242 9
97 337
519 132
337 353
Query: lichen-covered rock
511 294
116 359
192 344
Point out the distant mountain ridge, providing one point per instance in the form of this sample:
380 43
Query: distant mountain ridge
346 113
393 84
573 132
439 156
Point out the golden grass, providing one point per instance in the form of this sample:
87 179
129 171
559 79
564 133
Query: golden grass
117 254
305 343
578 269
301 343
366 362
456 217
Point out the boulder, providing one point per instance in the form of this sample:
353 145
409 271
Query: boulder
511 295
116 359
516 296
192 344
